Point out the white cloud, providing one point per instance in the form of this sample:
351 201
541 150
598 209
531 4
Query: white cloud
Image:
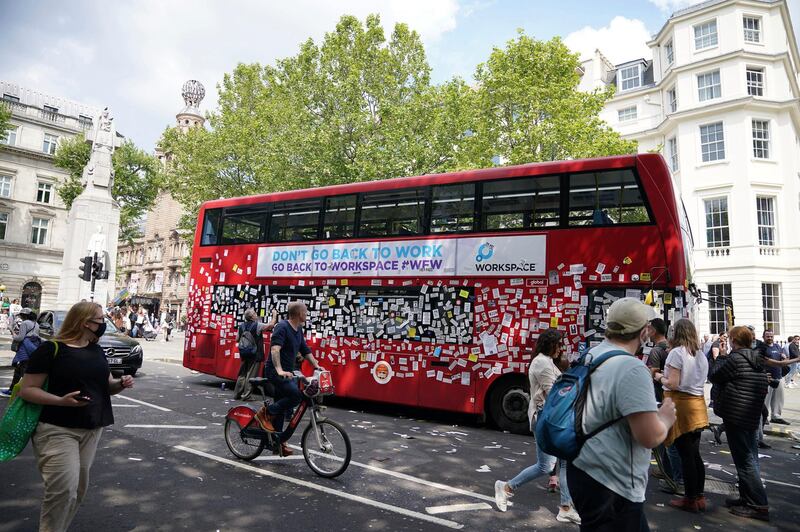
134 56
622 40
670 6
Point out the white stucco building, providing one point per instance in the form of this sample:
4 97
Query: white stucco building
720 100
32 216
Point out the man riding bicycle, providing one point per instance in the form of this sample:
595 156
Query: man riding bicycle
287 341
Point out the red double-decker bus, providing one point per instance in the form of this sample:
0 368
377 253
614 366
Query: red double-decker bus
430 291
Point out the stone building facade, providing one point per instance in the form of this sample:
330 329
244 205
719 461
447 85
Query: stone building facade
32 217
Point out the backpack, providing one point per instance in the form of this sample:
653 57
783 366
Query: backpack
248 348
28 345
559 428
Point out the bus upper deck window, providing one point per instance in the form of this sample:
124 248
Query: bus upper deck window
210 226
521 203
608 197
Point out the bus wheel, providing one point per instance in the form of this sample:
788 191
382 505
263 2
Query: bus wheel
508 406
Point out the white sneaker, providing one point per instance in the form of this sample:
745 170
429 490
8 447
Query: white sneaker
501 496
568 516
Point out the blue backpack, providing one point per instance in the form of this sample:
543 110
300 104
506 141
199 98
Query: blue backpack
29 345
559 428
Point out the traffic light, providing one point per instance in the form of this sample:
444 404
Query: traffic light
98 272
86 269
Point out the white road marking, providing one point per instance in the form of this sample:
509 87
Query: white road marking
435 510
410 478
117 405
143 403
325 489
277 458
778 482
193 427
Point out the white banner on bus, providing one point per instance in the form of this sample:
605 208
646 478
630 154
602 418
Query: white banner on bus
494 256
502 255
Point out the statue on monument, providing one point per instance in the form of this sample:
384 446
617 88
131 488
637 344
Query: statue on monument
97 242
99 171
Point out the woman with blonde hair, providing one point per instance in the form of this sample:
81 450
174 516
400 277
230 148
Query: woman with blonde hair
683 380
70 377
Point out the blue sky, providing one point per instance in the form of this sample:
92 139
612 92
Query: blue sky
134 56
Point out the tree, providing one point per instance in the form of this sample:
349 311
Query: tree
528 108
137 179
355 107
5 120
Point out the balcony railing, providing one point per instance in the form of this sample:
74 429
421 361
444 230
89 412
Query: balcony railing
718 252
53 117
768 250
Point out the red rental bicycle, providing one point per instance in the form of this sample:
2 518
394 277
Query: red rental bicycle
325 444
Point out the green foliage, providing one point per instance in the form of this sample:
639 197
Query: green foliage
137 179
529 108
356 107
5 120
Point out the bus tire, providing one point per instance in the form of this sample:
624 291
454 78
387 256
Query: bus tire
507 405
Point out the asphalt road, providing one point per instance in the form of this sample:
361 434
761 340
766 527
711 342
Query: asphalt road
411 470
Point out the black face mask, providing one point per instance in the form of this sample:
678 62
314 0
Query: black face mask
101 330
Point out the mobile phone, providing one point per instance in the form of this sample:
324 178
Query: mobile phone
83 397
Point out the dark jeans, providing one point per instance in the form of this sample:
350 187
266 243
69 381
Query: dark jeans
694 472
744 451
600 508
288 397
19 371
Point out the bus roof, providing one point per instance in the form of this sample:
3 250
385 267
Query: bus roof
544 168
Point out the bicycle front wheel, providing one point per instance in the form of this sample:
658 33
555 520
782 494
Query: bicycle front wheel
327 448
241 447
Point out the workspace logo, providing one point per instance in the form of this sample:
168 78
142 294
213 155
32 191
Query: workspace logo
485 252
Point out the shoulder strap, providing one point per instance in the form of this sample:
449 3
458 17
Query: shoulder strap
55 353
597 362
593 365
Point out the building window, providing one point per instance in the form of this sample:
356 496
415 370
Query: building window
3 225
630 78
761 139
39 231
719 299
771 302
717 230
44 192
709 86
669 52
49 144
752 29
11 136
672 100
50 108
712 142
705 35
10 98
5 186
755 81
672 152
628 113
765 211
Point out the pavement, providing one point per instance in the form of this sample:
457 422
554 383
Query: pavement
164 465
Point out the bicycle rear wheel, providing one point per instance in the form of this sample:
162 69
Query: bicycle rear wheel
327 449
241 447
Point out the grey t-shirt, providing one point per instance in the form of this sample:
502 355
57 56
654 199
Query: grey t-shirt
619 387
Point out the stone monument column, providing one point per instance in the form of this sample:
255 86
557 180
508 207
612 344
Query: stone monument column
93 221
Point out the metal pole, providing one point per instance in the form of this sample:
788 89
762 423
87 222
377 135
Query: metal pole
91 289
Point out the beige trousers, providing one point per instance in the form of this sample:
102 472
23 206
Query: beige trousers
64 457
